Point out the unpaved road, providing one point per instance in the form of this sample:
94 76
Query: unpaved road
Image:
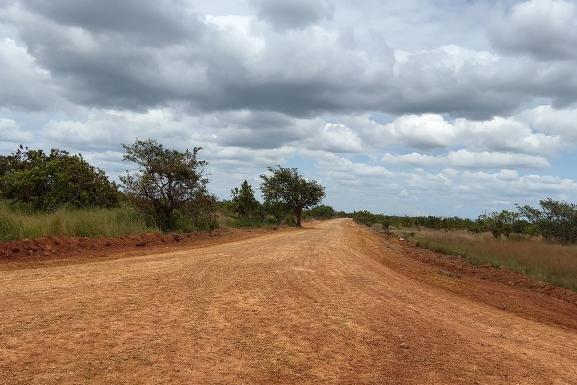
324 305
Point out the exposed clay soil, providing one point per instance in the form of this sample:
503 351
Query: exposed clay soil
334 303
66 249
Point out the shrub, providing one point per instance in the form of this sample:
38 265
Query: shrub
320 212
57 179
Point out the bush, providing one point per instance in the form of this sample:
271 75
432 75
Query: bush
320 212
54 180
368 219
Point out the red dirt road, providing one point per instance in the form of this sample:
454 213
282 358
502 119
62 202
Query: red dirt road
330 304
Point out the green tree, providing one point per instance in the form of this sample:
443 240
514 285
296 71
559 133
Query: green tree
500 223
555 220
367 218
244 203
168 183
288 187
47 181
320 212
277 210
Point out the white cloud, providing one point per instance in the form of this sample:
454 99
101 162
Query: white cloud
545 29
336 138
424 131
557 122
467 159
10 131
429 131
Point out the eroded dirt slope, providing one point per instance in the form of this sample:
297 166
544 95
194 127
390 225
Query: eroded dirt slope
328 304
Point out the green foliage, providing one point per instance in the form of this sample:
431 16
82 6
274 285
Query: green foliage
287 188
169 185
446 223
54 180
277 212
368 219
320 212
268 215
501 223
244 203
200 213
19 222
555 220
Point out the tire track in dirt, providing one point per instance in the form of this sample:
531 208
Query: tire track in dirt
328 304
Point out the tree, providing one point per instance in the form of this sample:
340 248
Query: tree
244 203
167 181
47 181
555 220
287 186
500 223
320 212
367 218
277 210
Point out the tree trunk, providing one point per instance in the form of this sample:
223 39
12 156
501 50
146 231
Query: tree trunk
299 216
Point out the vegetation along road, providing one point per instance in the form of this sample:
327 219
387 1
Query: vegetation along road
331 303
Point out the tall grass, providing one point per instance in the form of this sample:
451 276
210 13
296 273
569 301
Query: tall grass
20 222
545 261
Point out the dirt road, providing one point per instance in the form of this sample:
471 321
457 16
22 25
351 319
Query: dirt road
331 304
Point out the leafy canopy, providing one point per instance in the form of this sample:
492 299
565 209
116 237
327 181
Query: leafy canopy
166 181
244 203
555 220
321 212
287 186
48 181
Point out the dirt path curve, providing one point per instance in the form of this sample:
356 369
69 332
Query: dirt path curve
316 306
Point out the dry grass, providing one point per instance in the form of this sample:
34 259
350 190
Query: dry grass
542 260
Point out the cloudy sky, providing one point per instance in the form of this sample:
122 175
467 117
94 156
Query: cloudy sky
445 107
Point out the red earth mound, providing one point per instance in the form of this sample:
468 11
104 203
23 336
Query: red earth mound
27 252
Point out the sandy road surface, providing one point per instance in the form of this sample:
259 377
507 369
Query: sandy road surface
315 306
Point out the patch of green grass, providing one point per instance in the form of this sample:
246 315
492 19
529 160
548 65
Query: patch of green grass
231 221
549 262
18 222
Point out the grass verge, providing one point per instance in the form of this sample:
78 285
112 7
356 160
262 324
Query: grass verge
549 262
19 223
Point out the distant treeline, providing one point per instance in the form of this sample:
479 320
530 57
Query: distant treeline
168 189
552 220
440 223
